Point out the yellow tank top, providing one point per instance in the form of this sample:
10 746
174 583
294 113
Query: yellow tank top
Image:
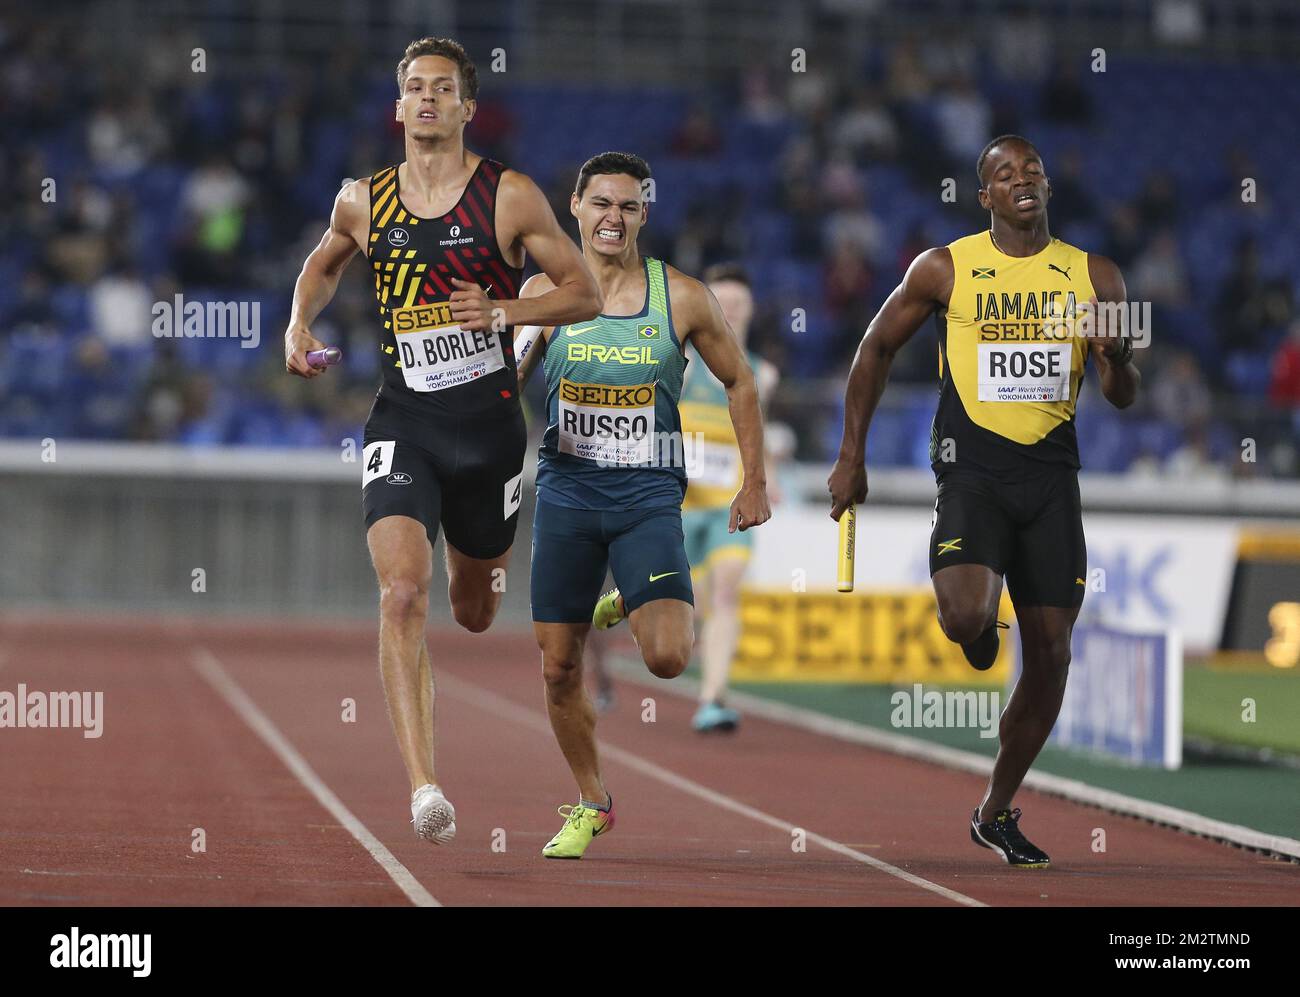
1010 364
713 464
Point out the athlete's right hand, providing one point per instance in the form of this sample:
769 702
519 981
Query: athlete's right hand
298 342
847 484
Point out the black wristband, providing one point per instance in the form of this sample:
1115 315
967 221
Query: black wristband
1123 355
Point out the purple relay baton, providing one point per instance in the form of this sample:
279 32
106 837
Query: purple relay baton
327 357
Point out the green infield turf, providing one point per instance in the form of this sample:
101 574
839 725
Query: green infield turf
1254 706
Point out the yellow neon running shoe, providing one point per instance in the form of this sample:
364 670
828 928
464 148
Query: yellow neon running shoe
581 824
609 611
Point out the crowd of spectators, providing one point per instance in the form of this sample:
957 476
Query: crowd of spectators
147 180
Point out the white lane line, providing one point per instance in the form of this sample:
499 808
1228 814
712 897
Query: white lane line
207 665
493 703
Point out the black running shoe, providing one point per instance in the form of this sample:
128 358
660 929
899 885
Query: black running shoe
983 650
1002 834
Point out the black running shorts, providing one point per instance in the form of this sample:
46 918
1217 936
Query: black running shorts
1027 526
464 472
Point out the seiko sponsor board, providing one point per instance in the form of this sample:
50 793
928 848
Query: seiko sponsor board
887 636
1146 572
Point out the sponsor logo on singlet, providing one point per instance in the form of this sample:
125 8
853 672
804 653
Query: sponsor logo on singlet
456 238
398 236
436 353
607 423
1024 316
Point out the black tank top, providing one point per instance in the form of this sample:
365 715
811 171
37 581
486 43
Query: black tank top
430 366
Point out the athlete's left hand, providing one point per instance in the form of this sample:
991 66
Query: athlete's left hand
474 310
1106 326
749 508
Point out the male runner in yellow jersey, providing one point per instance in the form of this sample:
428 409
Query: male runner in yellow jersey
611 468
718 558
1013 345
446 232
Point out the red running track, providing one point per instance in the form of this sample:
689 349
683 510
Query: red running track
114 820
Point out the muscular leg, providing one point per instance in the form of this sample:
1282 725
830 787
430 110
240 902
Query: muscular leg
473 589
1035 701
967 596
722 630
403 560
573 716
664 630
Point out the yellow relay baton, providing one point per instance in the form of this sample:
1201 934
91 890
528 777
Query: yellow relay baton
848 535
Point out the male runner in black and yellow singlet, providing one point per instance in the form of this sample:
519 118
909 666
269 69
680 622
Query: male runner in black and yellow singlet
1018 320
446 232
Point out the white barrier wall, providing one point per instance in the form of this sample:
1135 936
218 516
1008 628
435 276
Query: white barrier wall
126 525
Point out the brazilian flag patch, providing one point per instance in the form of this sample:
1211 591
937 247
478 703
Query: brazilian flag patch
983 273
648 332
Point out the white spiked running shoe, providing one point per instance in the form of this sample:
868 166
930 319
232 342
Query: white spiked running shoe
433 815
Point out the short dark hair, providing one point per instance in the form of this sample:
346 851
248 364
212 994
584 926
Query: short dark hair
612 162
720 272
449 49
984 154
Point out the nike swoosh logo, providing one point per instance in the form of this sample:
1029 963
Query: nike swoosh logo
655 578
578 332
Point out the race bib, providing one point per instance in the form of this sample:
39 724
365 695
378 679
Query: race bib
436 354
1024 372
712 464
607 423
